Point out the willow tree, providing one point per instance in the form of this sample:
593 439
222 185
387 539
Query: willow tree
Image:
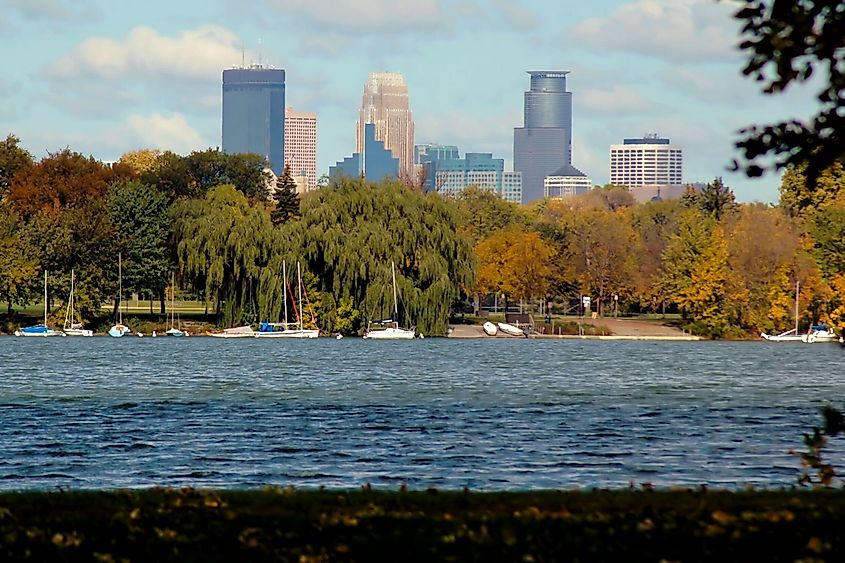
351 233
223 245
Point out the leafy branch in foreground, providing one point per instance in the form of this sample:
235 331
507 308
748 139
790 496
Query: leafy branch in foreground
823 473
787 42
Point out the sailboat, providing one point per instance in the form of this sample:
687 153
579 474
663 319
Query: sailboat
42 329
173 331
72 328
389 329
271 330
119 329
790 335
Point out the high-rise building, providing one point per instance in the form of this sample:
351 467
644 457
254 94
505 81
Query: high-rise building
647 161
374 162
427 158
480 170
567 181
385 104
544 143
301 146
254 113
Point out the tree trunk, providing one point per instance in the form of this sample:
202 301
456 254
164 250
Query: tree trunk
116 308
162 298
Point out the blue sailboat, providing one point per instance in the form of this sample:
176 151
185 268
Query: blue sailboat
40 329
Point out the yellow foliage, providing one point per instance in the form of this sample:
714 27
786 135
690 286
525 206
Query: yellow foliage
514 262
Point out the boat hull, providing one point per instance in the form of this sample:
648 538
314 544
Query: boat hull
79 332
118 331
510 329
390 334
490 329
289 333
39 331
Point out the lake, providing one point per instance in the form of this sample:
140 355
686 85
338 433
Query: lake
492 414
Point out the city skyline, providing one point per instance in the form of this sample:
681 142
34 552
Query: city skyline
386 104
102 79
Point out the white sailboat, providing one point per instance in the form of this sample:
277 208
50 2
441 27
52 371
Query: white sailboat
790 335
173 331
41 330
118 330
72 328
389 329
284 330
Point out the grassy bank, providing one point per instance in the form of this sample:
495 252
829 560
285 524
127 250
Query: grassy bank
287 525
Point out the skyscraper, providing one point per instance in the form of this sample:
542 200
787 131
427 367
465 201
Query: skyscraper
254 113
385 104
647 161
374 162
301 146
544 144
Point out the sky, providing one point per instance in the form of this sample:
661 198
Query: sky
103 77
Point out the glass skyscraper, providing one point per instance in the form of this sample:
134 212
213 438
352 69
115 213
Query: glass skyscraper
544 144
254 113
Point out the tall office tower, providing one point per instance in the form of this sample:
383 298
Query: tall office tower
544 143
649 161
301 146
254 113
374 162
385 104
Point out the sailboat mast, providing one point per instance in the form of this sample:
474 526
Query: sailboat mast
71 298
299 292
120 287
797 284
45 297
395 302
285 291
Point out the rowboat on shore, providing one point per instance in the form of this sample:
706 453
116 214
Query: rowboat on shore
490 329
510 329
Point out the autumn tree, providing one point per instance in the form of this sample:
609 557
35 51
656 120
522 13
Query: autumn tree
285 198
802 198
140 161
13 158
484 212
515 262
715 199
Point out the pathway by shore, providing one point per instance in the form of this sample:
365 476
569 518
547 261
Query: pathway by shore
621 329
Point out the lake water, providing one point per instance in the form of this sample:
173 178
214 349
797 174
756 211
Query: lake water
449 413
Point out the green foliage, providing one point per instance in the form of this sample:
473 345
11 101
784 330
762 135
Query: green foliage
715 199
286 199
484 212
12 159
223 248
142 227
802 198
18 263
790 41
828 234
352 231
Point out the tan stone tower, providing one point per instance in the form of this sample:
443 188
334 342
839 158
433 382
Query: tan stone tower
386 105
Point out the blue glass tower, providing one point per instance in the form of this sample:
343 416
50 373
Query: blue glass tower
544 143
254 113
376 163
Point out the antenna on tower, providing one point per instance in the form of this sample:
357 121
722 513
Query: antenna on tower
259 52
243 55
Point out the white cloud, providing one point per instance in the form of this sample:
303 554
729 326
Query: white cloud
166 133
515 17
672 30
364 15
199 53
618 100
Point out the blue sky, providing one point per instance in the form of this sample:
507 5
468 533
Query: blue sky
104 77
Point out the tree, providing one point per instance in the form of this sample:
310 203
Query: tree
802 198
223 246
286 199
12 159
61 180
828 235
141 219
790 41
352 231
18 263
715 199
485 212
141 160
515 262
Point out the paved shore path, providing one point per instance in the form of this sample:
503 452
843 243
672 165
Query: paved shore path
621 329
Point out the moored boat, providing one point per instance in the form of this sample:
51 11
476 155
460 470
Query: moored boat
490 329
233 332
510 329
41 330
73 328
820 334
389 329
